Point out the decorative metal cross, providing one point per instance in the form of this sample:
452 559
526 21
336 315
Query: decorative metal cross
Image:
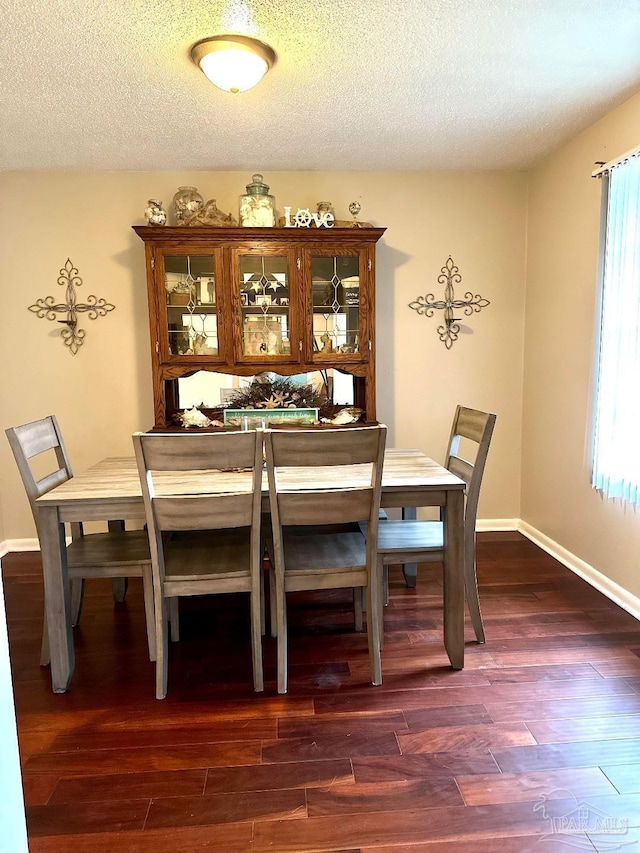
72 336
449 275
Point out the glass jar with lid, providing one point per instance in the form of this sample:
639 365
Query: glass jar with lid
257 207
325 207
154 212
186 202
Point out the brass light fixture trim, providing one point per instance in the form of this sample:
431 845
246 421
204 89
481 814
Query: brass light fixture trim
229 42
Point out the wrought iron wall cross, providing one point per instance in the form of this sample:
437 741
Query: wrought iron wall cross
472 303
72 336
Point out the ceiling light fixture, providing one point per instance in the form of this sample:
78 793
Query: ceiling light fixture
233 63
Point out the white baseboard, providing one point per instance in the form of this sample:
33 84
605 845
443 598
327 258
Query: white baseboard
8 545
485 525
612 590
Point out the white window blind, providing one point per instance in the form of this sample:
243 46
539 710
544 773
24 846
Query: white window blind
616 462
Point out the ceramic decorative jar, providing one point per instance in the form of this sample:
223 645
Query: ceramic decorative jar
325 207
186 202
154 213
257 207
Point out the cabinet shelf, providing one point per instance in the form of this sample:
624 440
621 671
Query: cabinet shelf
194 305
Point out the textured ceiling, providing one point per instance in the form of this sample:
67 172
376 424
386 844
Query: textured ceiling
359 84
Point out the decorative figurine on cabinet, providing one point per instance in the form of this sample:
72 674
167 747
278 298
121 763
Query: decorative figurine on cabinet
327 346
210 214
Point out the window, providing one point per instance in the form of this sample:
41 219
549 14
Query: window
616 462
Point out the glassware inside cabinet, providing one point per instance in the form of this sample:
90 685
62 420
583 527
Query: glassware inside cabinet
192 319
264 305
336 303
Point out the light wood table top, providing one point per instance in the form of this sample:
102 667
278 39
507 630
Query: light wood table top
114 483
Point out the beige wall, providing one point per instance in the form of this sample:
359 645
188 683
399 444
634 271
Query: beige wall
563 233
103 394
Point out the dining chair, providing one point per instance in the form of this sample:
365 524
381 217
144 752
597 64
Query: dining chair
118 554
311 487
202 496
415 541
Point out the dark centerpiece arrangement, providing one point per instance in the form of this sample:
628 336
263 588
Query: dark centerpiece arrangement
281 393
267 395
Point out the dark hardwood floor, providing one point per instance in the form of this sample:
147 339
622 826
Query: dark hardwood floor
534 746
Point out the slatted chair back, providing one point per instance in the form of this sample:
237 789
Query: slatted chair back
325 476
475 426
214 481
31 440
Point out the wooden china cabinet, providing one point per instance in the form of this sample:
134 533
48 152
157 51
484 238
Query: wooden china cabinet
244 301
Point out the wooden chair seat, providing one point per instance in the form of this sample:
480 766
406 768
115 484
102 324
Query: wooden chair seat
108 554
407 536
210 556
340 557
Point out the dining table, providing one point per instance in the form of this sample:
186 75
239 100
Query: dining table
110 490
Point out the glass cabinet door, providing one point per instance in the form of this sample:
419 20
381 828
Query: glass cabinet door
337 310
263 294
191 302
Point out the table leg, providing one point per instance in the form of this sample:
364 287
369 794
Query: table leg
56 597
410 570
454 577
118 585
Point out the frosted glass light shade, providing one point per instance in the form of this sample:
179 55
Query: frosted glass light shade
233 63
